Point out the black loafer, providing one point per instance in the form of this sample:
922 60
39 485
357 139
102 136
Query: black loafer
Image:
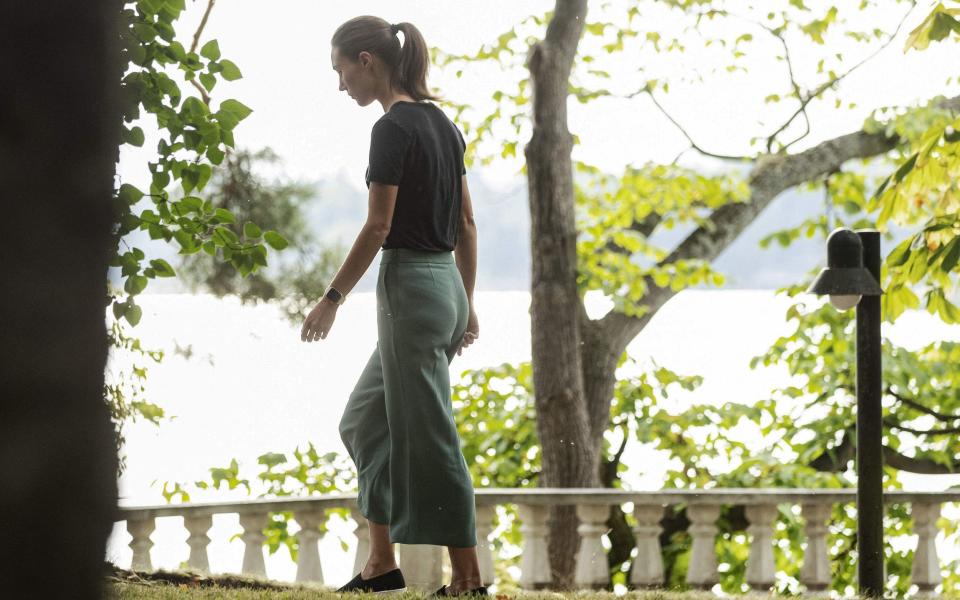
391 581
480 591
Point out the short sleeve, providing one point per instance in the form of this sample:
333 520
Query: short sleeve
388 148
463 146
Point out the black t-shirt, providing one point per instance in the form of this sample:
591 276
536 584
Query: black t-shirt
416 147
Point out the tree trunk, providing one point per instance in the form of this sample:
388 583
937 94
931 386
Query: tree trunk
58 146
568 456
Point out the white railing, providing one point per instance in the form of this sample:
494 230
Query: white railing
422 564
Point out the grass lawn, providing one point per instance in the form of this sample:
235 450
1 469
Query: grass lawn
163 591
123 584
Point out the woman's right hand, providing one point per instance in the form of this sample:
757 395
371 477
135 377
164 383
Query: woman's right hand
472 332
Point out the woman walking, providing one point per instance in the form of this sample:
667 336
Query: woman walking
398 425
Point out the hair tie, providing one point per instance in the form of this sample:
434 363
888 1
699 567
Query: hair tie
394 28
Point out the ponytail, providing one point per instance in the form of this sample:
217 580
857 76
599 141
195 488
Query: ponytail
408 64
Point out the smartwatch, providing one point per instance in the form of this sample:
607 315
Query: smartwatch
333 295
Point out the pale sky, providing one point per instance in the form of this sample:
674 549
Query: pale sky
282 48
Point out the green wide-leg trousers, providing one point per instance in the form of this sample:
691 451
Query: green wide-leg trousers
398 425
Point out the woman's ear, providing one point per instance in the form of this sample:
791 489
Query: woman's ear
364 58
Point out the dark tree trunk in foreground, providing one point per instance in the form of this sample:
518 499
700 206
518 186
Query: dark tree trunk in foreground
569 458
58 143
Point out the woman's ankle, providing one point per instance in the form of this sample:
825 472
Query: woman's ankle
471 582
376 567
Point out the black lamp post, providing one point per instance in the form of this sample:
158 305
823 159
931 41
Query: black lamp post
851 279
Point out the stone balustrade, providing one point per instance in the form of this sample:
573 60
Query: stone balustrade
422 564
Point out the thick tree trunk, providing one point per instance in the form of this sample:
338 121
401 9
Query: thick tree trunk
568 456
58 145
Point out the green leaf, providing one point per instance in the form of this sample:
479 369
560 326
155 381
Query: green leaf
208 81
134 136
951 256
145 32
215 154
203 175
222 236
162 268
260 255
900 254
133 314
135 284
905 168
229 70
192 203
224 215
276 241
251 230
129 194
236 108
882 187
184 239
210 50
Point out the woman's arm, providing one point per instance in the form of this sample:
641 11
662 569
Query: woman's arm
381 202
466 251
374 232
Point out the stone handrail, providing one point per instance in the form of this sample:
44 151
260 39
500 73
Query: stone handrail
422 564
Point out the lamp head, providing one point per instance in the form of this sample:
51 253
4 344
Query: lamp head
845 279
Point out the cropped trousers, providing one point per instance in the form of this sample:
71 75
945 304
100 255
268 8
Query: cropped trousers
398 425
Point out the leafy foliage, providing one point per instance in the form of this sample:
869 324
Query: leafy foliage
308 473
123 389
615 255
193 139
276 205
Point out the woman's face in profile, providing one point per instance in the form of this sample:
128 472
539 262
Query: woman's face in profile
354 77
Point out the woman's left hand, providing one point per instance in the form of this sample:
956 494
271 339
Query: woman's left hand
318 323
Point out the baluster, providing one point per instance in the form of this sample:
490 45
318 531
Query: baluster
592 569
198 540
702 571
253 537
925 572
308 538
422 566
760 564
534 564
363 540
141 529
485 514
815 572
646 571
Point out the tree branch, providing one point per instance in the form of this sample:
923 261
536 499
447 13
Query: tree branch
834 460
771 175
831 82
693 144
924 466
203 23
913 403
897 425
193 48
644 228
